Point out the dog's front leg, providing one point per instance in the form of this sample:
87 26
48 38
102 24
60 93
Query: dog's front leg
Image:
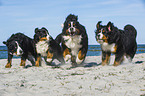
9 61
80 58
37 61
105 58
66 54
49 58
73 60
23 61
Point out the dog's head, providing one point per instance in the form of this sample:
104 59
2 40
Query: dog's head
107 34
101 33
13 47
71 25
41 34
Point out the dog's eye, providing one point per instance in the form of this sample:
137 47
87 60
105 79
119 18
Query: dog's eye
68 24
99 30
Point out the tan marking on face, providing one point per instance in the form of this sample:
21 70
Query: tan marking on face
105 38
78 31
67 32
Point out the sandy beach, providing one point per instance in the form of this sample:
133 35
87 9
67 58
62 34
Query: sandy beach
92 79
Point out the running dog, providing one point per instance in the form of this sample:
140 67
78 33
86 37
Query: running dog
74 40
113 40
20 45
47 47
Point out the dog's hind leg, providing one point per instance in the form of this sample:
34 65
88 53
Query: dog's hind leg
9 61
131 52
118 59
31 59
23 61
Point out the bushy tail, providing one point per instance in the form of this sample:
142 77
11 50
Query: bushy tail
58 39
131 29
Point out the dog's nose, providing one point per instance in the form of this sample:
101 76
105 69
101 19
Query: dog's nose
98 35
71 29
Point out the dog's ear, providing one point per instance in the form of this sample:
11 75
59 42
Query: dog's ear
76 18
4 42
110 26
98 24
36 29
43 28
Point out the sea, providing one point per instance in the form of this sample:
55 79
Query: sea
93 50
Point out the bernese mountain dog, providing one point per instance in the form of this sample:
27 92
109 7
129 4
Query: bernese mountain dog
113 40
47 47
20 45
74 40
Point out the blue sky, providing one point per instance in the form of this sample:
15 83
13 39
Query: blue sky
25 15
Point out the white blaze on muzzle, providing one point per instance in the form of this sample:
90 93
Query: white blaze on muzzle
100 35
71 28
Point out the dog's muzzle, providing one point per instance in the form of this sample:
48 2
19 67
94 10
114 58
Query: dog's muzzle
72 31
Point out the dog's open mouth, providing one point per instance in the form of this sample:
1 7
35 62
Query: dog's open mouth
72 33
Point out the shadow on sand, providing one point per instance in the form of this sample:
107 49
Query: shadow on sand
91 64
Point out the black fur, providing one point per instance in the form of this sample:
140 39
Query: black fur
53 48
124 40
26 44
73 30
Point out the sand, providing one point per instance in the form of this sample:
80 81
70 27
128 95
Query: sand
94 79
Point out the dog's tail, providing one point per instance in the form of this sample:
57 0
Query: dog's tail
58 39
131 29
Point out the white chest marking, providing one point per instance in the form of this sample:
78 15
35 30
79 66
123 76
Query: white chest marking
108 47
19 50
42 47
73 43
